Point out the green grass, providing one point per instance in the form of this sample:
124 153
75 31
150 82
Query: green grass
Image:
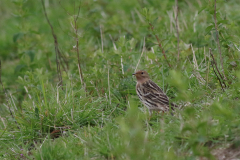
107 121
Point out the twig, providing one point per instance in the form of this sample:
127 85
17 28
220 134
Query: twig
216 75
176 19
141 54
76 36
63 57
77 46
159 44
75 27
210 51
7 98
219 47
56 46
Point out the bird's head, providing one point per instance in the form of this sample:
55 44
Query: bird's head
142 76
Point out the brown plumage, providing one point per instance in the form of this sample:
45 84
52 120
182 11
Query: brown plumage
150 94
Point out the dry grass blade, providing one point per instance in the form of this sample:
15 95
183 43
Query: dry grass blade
141 54
115 48
194 59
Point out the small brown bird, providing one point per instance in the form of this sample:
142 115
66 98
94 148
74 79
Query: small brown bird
151 94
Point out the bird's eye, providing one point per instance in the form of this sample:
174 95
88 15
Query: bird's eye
142 72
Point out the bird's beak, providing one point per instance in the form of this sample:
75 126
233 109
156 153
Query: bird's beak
133 73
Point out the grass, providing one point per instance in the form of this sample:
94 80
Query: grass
107 121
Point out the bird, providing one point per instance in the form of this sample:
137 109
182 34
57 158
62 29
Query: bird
151 95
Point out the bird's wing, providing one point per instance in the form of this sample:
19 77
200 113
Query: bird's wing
153 94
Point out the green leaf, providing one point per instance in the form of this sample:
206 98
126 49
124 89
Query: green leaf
208 29
151 55
17 36
223 22
132 43
201 9
37 113
121 41
31 54
20 67
144 12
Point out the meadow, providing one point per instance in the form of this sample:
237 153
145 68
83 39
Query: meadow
67 90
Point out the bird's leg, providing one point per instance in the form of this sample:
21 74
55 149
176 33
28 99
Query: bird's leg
162 113
150 114
159 112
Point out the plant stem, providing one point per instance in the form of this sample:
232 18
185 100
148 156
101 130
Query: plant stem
218 43
160 45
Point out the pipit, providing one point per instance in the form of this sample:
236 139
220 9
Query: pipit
150 94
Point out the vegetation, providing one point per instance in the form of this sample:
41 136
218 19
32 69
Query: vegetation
49 110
